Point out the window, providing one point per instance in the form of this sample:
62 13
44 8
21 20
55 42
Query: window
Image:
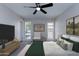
50 28
27 30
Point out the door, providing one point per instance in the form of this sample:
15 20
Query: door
50 30
28 31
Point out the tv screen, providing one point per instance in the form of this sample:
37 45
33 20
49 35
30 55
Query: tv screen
7 33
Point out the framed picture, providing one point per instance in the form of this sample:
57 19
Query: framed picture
39 27
77 25
72 25
69 26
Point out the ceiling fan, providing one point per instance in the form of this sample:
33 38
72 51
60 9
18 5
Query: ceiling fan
39 7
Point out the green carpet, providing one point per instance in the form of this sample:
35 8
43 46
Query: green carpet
36 49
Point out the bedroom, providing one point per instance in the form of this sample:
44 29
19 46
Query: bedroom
40 27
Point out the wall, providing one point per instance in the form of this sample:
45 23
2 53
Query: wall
60 22
40 21
9 17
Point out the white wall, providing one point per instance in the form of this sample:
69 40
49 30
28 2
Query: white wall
10 18
7 16
60 22
40 21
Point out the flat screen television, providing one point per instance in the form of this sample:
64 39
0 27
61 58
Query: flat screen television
7 33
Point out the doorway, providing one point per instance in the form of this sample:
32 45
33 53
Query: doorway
28 31
50 31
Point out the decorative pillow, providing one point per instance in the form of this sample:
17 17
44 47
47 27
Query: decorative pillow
61 43
68 45
66 42
59 39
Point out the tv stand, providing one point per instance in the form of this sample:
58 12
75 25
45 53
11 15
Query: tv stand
9 48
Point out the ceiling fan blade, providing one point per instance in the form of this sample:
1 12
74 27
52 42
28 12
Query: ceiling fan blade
35 12
29 7
37 4
43 11
47 5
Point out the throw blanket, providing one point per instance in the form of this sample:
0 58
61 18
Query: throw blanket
36 49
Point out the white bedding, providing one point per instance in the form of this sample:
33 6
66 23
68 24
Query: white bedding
52 49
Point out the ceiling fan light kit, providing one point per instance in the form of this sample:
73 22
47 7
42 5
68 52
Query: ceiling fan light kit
40 7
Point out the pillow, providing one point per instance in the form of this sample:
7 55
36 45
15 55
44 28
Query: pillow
60 39
66 36
74 38
68 46
66 42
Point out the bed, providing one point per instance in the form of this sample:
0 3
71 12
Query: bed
72 39
50 49
53 49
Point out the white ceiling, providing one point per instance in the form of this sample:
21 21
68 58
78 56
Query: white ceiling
54 11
